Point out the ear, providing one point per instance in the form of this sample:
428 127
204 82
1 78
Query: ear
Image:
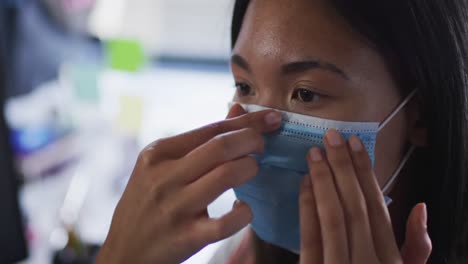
417 129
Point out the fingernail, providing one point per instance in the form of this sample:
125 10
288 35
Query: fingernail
316 155
236 203
355 144
273 118
235 111
334 138
423 215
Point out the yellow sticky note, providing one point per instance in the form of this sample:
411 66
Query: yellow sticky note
130 114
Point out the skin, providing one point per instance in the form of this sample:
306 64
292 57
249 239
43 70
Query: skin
359 86
162 216
270 38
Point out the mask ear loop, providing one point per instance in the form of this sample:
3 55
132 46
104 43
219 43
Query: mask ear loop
407 156
397 110
405 159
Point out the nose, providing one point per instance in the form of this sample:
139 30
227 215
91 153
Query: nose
270 100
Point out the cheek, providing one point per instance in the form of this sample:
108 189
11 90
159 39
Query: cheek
389 149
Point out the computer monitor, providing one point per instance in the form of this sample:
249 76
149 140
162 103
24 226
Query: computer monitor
12 240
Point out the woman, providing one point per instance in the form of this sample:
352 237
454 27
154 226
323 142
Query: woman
398 63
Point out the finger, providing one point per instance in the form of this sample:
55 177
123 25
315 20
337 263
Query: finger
379 218
417 247
212 230
329 210
360 241
311 240
219 150
199 194
178 146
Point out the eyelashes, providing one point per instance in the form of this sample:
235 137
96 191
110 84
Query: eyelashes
306 95
301 94
243 89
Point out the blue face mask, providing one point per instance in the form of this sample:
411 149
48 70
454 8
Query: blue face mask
273 195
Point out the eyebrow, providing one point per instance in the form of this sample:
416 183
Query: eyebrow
296 67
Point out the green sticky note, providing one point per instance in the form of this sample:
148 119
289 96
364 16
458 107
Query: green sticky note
125 55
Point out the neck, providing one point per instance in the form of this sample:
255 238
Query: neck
271 254
400 208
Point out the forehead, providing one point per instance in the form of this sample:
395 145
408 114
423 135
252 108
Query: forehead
295 27
282 31
293 20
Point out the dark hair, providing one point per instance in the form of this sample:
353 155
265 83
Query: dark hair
425 45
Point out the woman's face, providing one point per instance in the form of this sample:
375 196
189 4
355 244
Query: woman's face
301 56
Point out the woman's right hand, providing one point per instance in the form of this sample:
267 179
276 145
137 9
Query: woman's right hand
162 216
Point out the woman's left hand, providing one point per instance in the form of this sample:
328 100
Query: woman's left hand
344 218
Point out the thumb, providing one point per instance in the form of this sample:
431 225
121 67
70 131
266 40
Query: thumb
235 111
417 247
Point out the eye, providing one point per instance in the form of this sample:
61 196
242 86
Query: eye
306 95
243 89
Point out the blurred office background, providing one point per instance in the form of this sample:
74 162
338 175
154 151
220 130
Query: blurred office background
91 82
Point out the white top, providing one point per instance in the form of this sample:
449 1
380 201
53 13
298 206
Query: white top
228 247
